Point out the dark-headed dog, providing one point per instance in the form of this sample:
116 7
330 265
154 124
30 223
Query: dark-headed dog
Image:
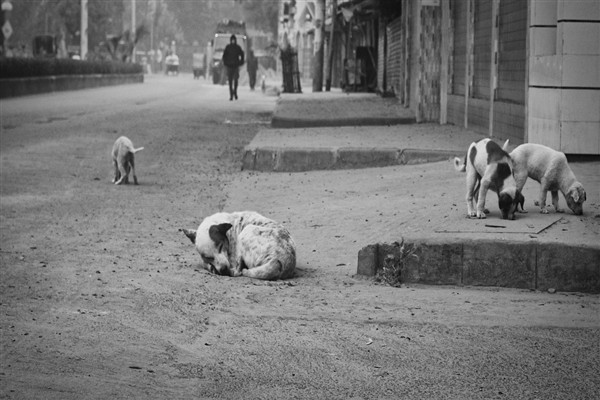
488 166
550 168
123 159
244 243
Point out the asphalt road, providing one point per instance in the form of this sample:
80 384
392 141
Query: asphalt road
101 297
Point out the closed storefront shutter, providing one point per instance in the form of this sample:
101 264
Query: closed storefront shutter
512 51
395 57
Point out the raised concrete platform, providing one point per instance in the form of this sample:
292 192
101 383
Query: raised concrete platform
295 150
485 262
337 108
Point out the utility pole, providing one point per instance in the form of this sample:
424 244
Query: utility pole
318 64
132 36
83 31
331 39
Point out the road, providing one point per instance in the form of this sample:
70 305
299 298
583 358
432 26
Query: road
101 296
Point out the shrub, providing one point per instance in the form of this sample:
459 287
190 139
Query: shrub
394 263
34 67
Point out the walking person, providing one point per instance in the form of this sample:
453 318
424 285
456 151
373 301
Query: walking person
233 58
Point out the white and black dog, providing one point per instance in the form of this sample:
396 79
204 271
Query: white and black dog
488 166
550 168
123 160
244 243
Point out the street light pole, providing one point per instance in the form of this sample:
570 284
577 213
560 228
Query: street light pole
133 30
84 30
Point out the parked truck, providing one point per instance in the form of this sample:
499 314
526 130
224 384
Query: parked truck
225 29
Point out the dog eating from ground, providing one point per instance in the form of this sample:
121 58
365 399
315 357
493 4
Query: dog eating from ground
123 159
550 168
488 166
244 244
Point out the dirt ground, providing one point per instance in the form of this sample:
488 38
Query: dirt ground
101 296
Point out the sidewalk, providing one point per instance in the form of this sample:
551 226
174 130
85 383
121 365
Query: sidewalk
376 132
377 185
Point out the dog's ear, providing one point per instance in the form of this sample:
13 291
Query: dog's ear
578 194
218 234
190 234
575 194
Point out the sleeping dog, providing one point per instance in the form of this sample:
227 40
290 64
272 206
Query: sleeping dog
244 243
488 166
548 167
123 160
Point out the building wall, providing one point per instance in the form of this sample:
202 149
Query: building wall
564 75
512 66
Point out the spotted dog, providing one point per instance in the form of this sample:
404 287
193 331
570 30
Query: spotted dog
123 159
244 244
488 166
550 168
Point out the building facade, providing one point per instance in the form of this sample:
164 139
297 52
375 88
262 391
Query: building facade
526 70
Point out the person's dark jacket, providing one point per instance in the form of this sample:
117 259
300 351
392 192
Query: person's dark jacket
233 56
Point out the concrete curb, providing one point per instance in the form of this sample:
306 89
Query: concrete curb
525 265
49 84
298 159
282 122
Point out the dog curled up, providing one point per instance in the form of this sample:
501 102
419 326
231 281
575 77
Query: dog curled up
123 159
244 244
488 166
550 168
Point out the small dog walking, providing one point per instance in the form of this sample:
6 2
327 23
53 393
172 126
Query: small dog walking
550 168
244 243
488 166
123 159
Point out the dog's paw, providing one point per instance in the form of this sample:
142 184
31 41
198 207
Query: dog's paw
544 210
560 210
481 215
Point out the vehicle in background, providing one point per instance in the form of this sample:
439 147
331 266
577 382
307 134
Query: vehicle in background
264 47
222 37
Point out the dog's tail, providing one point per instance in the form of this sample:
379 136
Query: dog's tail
136 150
460 165
505 146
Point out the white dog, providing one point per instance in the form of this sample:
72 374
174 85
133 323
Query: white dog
550 168
244 243
488 166
123 160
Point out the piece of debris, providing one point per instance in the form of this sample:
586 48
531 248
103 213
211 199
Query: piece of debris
370 341
551 290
